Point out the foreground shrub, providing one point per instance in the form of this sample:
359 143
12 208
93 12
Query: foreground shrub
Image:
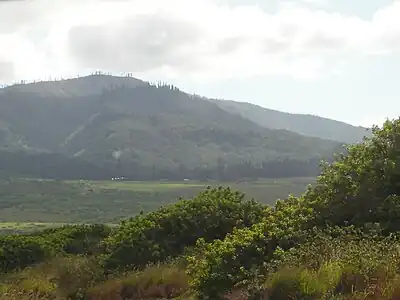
359 188
362 186
20 251
154 282
62 278
349 265
77 239
75 275
31 283
165 233
237 258
299 284
17 252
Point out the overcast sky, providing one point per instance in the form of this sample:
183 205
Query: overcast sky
334 58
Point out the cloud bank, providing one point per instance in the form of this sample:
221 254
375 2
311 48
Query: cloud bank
187 38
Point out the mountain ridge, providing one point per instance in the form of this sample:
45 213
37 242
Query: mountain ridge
322 127
325 128
127 125
76 86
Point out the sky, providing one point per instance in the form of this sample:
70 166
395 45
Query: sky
338 59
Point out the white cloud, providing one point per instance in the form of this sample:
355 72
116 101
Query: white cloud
186 38
6 70
319 3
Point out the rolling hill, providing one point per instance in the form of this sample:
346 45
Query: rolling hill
308 125
132 127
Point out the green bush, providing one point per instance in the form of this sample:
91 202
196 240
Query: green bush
167 232
17 252
20 251
362 186
78 239
225 263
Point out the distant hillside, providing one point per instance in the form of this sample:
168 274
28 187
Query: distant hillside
75 87
303 124
48 165
128 126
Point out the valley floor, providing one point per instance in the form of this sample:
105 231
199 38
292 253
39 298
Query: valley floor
30 204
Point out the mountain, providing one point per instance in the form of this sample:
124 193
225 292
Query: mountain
48 165
308 125
145 131
75 87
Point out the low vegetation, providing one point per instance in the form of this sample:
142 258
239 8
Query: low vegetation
339 240
28 204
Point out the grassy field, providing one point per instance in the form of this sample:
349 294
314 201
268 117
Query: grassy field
35 204
25 227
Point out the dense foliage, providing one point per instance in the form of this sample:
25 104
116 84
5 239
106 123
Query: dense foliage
46 165
167 232
359 188
224 263
363 186
338 241
20 251
59 166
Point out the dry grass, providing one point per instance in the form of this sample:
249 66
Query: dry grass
78 278
60 278
81 278
155 282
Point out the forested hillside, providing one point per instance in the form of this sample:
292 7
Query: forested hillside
48 165
142 131
303 124
339 240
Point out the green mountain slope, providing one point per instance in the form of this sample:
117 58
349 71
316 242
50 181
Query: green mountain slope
308 125
126 124
48 165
